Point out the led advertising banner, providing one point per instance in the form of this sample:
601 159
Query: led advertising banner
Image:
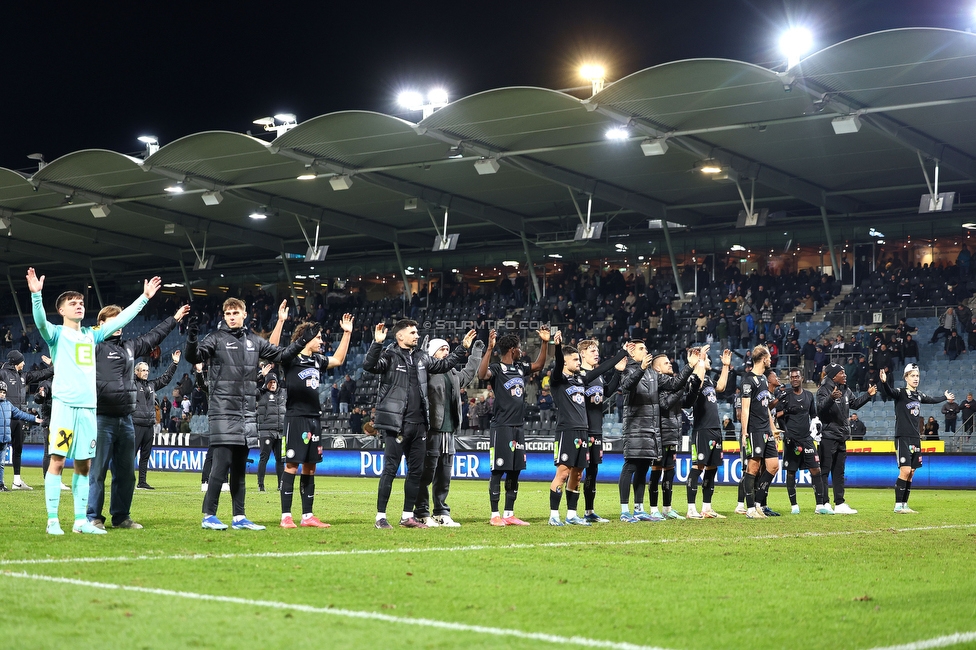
957 471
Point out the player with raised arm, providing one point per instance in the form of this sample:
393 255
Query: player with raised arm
73 429
506 448
757 435
571 444
908 421
303 411
597 390
706 446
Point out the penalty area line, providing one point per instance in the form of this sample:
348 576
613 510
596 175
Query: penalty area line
345 613
473 547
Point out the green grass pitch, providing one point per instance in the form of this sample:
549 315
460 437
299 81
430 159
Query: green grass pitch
871 580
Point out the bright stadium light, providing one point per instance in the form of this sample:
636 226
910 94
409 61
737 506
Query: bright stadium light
151 142
596 75
414 101
281 123
794 43
176 188
437 97
617 133
411 100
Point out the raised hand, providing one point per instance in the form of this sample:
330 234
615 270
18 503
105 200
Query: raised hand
872 390
492 337
192 328
544 333
469 339
181 313
46 360
150 287
176 356
346 323
884 375
726 357
558 338
622 365
949 395
379 334
34 283
283 310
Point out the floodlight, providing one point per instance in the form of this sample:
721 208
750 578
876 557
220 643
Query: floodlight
176 188
212 198
5 223
593 72
654 147
617 133
100 211
486 166
437 96
260 213
264 121
287 118
411 100
307 175
794 43
342 182
846 124
710 166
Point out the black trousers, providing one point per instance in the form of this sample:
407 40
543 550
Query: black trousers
270 445
412 443
17 443
226 457
833 458
437 477
143 445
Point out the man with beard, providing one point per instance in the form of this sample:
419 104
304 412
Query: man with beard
799 450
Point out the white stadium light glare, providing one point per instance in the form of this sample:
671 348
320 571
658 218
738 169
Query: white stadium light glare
260 213
264 121
437 96
794 43
176 188
618 133
307 175
411 100
287 118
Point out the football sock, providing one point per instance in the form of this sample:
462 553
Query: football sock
508 513
495 489
589 486
749 488
667 487
79 489
52 494
308 493
287 491
901 486
653 492
762 489
742 488
555 496
819 488
908 491
693 476
511 490
572 500
791 486
708 485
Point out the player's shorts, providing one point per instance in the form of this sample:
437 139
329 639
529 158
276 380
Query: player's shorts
302 440
72 431
571 449
706 448
596 448
908 452
800 454
761 444
669 452
506 450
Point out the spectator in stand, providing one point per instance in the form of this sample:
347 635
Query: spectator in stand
968 410
951 411
910 349
334 398
653 324
947 324
953 346
474 420
809 352
858 430
545 407
971 332
344 399
701 326
931 430
356 421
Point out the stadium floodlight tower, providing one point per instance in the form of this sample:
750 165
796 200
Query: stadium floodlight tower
596 75
794 43
281 123
414 101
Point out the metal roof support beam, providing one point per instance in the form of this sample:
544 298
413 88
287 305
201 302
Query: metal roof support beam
98 291
511 221
830 242
406 281
674 260
903 134
532 276
331 218
72 258
291 284
186 282
13 294
603 191
744 167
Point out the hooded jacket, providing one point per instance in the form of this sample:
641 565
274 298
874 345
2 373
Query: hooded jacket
18 381
671 419
145 413
114 363
271 409
233 355
836 414
646 393
10 412
390 362
436 393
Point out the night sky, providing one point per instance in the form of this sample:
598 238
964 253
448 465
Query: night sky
92 75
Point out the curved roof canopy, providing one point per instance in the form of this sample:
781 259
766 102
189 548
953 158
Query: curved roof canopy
516 163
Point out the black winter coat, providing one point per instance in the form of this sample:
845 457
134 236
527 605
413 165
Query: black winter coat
232 380
271 411
643 405
145 413
114 361
671 419
17 382
390 362
836 414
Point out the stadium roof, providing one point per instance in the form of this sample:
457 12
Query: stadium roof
912 91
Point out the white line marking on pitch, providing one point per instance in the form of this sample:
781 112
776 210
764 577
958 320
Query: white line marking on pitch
347 613
459 549
938 642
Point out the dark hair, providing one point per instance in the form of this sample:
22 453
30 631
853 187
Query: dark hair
300 330
403 324
792 370
507 342
66 296
569 350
